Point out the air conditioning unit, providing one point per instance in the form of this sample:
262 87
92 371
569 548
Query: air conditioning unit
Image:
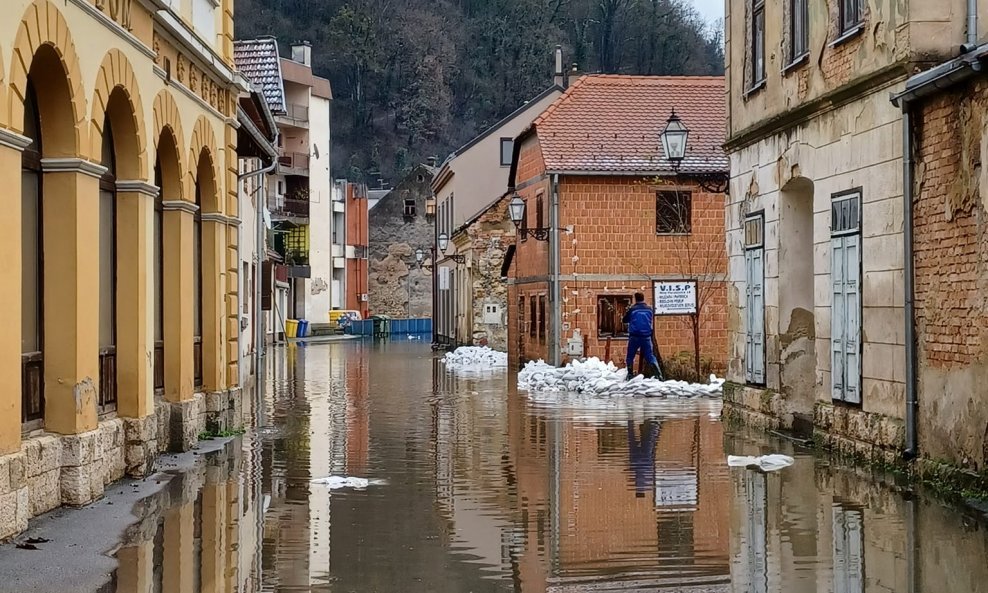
363 298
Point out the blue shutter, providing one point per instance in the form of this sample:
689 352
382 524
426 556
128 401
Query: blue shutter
852 319
837 314
755 316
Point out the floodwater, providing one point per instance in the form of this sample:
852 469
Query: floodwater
476 488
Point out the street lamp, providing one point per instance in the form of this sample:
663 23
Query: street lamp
516 211
419 256
443 244
674 139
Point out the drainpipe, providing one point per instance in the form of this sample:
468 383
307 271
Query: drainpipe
557 302
909 283
972 24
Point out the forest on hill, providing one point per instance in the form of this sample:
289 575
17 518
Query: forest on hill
419 78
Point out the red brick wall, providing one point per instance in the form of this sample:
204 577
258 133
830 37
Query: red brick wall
951 230
614 249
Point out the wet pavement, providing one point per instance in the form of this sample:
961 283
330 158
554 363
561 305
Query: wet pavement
476 488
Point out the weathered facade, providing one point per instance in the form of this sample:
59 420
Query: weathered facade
120 286
399 224
483 241
627 218
815 220
950 259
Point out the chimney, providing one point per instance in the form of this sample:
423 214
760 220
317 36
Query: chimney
558 76
302 53
574 73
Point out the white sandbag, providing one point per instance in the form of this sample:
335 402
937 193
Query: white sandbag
768 463
475 358
595 377
337 482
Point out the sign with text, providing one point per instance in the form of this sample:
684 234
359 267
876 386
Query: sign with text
675 297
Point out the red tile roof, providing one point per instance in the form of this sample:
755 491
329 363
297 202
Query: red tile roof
258 60
613 123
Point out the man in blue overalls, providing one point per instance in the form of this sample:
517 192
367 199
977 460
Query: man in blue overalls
639 320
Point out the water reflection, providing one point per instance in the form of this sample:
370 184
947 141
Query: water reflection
485 490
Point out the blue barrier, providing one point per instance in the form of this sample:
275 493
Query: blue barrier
399 327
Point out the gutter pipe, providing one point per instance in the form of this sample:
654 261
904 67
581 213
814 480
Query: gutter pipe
554 263
928 83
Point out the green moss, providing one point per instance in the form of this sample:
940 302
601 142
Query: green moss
208 435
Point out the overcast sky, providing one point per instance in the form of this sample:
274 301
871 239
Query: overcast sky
711 10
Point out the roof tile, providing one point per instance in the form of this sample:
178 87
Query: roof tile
613 124
259 61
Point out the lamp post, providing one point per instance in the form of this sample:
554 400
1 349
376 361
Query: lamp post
675 142
443 242
517 211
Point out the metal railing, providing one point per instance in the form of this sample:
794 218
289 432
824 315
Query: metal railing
299 113
159 367
32 387
296 207
294 160
108 380
197 361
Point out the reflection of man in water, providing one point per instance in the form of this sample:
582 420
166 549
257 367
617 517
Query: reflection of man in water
641 455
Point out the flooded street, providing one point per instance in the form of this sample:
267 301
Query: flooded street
476 488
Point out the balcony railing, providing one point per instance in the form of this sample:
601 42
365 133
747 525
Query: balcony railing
295 112
197 361
159 367
108 380
294 160
32 387
296 207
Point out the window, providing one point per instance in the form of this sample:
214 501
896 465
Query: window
610 315
850 15
533 321
32 270
799 30
409 207
507 148
757 43
521 318
108 275
542 319
539 216
673 214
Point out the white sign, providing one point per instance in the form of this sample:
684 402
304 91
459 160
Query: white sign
443 278
676 488
676 297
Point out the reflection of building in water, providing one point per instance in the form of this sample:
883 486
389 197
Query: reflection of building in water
640 501
472 490
199 534
824 529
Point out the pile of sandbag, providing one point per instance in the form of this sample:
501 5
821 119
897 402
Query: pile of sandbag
475 358
592 376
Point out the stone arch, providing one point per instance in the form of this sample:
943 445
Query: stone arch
118 97
168 138
203 157
44 44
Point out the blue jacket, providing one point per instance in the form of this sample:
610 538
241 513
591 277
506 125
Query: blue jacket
639 320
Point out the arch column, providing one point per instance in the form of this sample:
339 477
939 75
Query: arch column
11 146
233 302
71 293
177 230
213 302
135 298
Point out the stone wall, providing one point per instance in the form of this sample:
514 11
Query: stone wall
490 235
396 285
54 470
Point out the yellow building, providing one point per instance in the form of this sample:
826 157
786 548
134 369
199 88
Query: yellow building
118 285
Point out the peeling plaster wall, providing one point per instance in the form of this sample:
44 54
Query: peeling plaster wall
855 146
951 245
895 33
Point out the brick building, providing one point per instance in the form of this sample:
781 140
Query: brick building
815 224
626 217
950 260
